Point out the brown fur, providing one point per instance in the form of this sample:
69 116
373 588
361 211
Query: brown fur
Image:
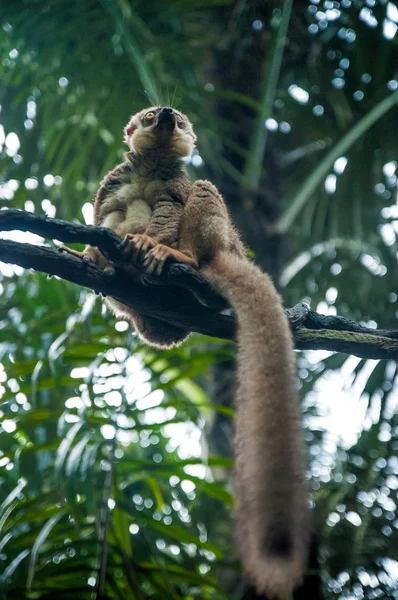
146 195
272 514
269 484
149 195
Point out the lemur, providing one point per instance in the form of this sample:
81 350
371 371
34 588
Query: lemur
162 216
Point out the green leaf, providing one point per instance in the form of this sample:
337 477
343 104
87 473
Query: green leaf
14 564
75 456
298 201
254 163
157 492
120 529
179 534
40 540
13 495
65 446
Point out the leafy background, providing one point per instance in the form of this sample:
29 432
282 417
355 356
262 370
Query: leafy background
115 463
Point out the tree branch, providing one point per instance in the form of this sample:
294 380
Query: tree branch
180 296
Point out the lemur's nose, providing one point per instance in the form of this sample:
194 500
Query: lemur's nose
166 119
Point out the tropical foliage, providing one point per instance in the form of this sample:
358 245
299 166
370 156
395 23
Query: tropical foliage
114 471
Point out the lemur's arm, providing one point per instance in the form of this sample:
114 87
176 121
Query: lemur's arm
164 224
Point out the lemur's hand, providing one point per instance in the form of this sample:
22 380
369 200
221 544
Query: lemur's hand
135 245
94 256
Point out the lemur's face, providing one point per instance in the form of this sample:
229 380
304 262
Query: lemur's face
160 126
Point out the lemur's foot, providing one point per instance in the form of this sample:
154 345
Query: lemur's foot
135 245
94 256
155 259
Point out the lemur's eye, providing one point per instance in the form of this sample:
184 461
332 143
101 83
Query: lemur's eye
150 115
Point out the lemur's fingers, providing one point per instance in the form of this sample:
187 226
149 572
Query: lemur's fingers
109 270
94 256
89 254
135 244
153 264
72 251
155 259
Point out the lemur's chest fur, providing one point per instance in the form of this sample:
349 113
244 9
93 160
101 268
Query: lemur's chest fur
129 207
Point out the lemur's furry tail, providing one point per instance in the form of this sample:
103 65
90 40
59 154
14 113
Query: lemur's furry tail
273 523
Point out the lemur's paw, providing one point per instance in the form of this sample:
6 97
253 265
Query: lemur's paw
92 255
155 259
136 244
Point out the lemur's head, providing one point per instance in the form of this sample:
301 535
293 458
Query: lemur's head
160 126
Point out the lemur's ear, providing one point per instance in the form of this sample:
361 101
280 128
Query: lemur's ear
128 131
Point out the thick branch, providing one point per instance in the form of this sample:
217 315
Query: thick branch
172 304
110 245
176 301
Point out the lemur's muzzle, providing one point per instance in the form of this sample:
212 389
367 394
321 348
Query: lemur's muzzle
166 119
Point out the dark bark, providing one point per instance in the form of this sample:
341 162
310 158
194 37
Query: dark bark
180 296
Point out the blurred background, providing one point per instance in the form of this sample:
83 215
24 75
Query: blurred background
115 459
